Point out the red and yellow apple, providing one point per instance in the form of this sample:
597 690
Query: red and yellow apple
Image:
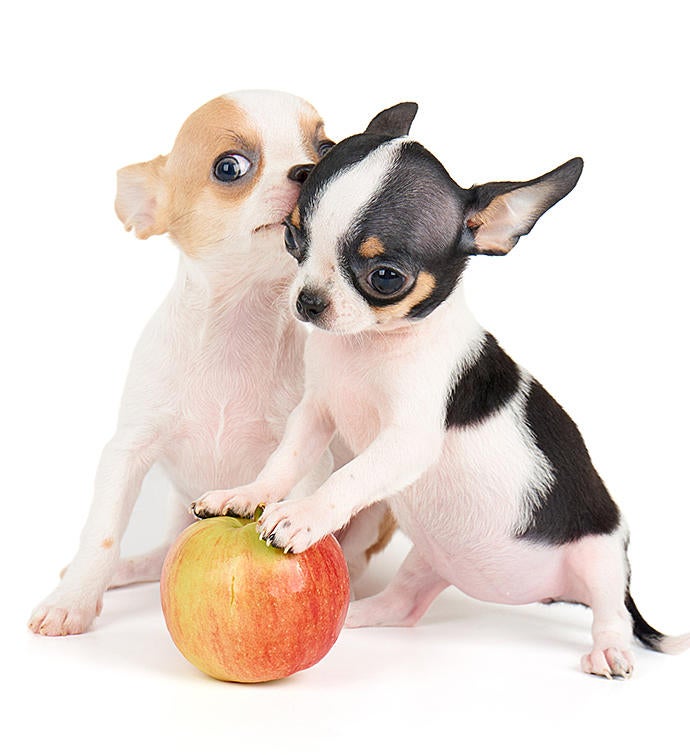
243 611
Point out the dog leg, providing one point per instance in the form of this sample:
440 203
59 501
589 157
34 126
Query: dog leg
599 565
374 475
404 601
77 600
147 567
365 534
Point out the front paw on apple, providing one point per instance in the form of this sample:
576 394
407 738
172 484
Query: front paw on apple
291 526
220 503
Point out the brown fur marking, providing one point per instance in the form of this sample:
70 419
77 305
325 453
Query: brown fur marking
387 527
422 288
313 133
218 126
371 247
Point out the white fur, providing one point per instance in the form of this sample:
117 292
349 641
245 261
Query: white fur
212 380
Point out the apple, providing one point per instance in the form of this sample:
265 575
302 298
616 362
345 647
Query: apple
241 610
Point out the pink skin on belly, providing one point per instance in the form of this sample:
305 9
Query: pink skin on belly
501 570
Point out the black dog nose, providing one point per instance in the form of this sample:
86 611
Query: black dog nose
299 173
310 305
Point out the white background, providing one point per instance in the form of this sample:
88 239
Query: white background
594 303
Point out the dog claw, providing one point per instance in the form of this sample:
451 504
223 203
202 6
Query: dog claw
609 663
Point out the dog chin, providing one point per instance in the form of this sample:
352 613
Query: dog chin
344 328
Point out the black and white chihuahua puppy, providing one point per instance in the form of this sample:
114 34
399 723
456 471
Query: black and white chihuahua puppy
483 469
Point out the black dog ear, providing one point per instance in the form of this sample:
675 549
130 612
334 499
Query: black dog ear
499 213
395 121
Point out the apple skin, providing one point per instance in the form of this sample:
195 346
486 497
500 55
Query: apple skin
243 611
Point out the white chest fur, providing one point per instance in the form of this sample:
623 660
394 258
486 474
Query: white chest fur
225 379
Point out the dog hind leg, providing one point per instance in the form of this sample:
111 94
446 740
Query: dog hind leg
404 601
599 569
147 567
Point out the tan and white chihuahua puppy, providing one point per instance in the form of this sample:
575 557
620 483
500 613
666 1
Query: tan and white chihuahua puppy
220 365
484 471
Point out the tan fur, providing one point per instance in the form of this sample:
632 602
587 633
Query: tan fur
422 288
387 526
495 226
197 203
371 247
313 132
295 218
141 198
177 193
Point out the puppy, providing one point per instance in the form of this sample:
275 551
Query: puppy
219 367
484 471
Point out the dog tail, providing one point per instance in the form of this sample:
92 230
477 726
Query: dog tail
652 638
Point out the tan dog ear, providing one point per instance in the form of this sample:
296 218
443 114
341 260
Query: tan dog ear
500 212
141 201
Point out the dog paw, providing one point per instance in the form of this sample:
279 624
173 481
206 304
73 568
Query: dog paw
609 663
294 525
242 501
57 619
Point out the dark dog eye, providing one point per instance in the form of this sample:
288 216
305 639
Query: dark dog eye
386 280
291 243
230 167
324 147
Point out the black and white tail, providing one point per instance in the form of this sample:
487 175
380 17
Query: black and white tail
651 637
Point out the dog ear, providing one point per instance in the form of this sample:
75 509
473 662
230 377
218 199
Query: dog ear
395 121
499 213
141 197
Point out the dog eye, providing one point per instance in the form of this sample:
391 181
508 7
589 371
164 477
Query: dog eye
386 280
291 243
324 147
230 167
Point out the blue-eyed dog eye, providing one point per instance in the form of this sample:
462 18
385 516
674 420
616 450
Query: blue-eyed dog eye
291 243
324 147
386 280
230 167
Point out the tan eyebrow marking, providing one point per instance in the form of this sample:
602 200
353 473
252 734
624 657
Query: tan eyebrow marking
312 133
371 247
239 141
295 217
423 287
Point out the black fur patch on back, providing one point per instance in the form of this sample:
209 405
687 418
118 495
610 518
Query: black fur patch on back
578 503
484 388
